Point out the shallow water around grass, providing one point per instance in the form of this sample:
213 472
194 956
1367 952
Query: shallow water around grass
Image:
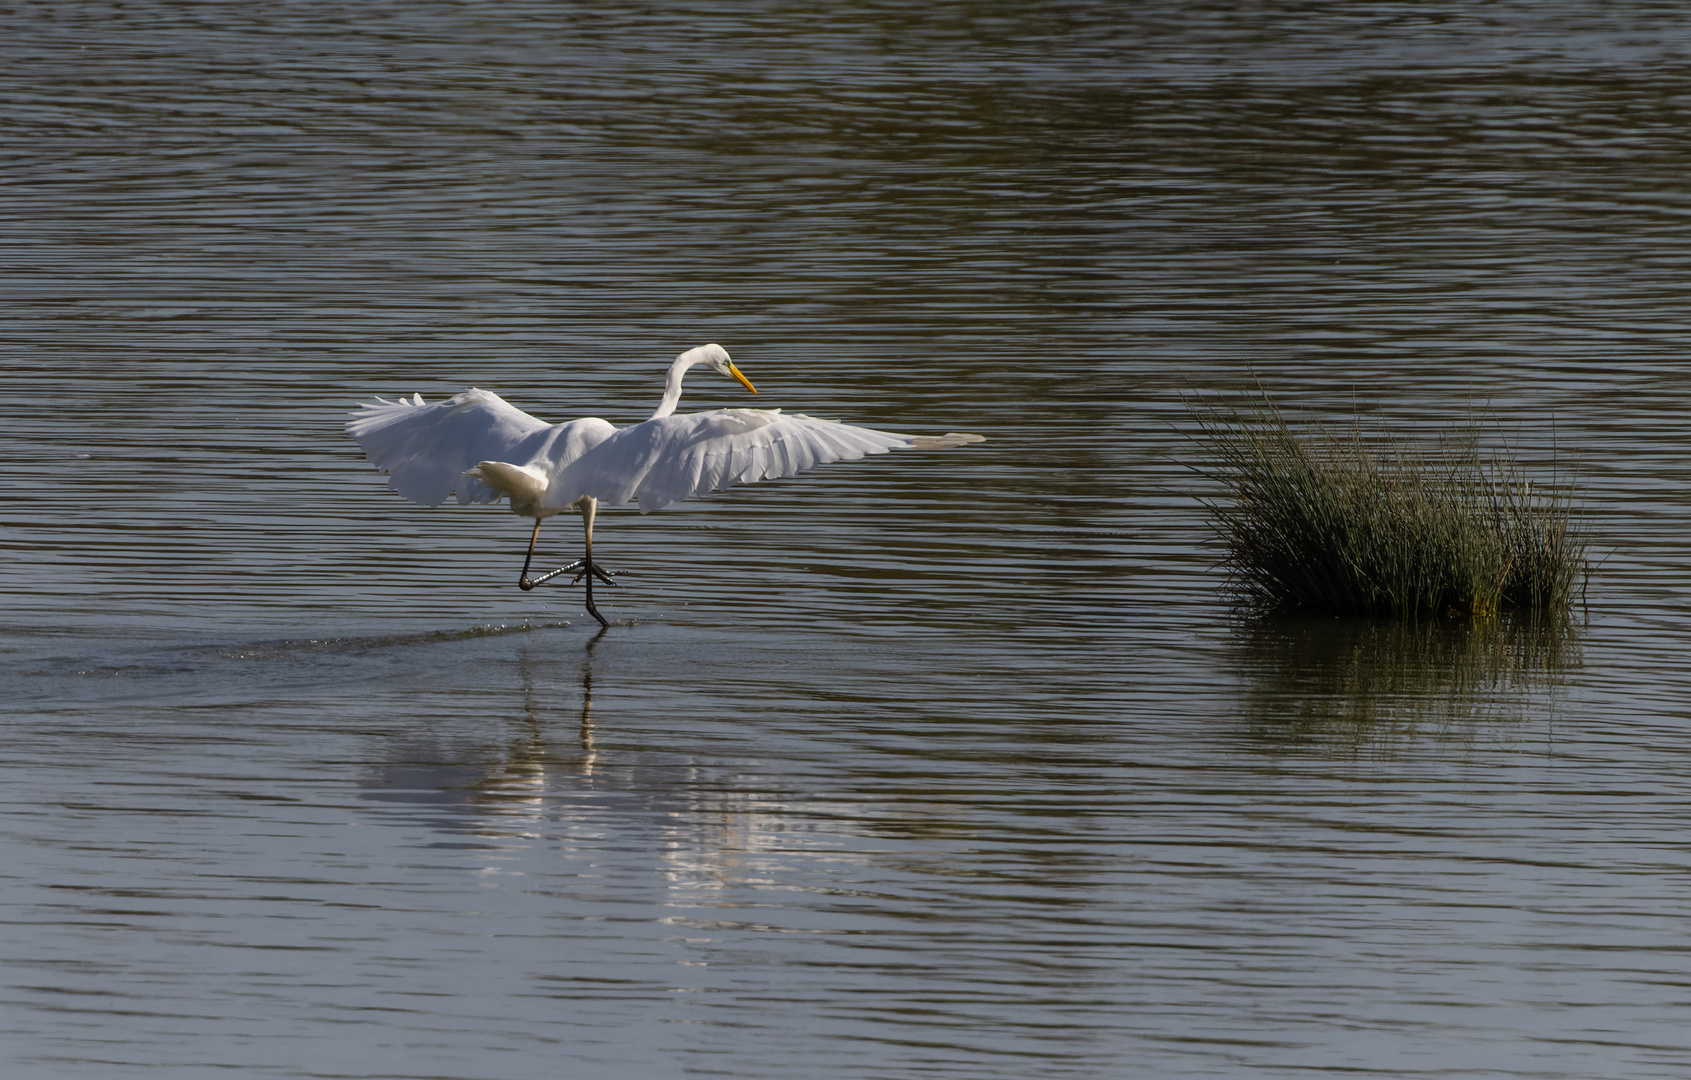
950 764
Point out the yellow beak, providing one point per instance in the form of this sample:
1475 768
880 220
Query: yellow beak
734 371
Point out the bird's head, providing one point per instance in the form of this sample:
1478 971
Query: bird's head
716 357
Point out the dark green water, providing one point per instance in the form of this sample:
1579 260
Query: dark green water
933 765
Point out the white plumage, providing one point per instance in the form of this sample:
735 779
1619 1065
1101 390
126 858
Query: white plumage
482 448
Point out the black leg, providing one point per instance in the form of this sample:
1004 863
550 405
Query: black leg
523 582
590 574
589 571
582 568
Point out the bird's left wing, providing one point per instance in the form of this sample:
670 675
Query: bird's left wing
671 458
425 449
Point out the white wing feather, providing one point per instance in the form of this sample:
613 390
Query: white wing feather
671 458
425 448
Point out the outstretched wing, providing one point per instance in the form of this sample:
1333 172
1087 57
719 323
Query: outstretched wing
671 458
425 449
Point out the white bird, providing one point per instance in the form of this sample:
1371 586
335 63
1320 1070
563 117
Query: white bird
483 448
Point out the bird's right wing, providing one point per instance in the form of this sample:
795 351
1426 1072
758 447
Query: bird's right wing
671 458
425 449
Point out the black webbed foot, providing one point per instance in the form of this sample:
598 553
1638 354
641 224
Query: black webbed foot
602 575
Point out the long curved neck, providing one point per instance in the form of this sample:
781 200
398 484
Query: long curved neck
672 385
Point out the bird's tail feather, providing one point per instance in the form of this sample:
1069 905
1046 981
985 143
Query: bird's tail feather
524 485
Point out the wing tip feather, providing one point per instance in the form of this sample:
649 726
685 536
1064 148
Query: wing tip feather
949 441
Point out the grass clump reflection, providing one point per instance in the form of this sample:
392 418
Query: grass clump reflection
1356 684
1352 525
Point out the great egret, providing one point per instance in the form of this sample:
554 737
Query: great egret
484 449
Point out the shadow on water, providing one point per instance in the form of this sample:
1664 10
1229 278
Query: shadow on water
1360 686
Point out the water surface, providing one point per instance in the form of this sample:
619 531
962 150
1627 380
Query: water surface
953 764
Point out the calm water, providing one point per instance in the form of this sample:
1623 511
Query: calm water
947 765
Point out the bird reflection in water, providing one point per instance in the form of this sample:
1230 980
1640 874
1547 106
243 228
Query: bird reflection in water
540 784
490 790
1369 686
699 826
533 766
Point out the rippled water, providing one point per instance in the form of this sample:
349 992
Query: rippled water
952 764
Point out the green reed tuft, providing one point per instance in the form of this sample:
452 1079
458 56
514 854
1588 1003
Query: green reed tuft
1357 525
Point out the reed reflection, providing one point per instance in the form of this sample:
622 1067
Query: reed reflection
1370 686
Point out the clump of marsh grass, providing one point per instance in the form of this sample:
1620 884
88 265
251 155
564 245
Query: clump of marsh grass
1349 524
